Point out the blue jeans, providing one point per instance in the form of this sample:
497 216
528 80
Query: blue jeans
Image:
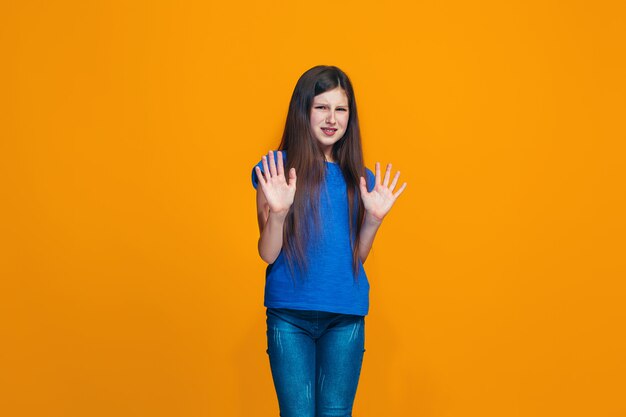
316 359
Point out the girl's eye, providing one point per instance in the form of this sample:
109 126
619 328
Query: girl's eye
321 107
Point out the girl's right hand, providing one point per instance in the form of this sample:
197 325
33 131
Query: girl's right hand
278 192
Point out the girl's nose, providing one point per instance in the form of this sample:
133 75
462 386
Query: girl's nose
330 118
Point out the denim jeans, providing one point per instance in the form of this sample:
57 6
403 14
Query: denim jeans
315 358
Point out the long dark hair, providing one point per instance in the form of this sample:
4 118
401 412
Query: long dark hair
306 156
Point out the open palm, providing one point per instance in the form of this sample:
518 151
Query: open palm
278 192
379 201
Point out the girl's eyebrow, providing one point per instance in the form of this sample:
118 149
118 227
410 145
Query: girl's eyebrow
326 104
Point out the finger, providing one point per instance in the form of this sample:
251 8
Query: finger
377 173
266 170
272 164
395 181
292 177
363 186
281 167
387 175
259 176
396 195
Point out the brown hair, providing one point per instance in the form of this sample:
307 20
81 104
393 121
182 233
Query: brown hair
306 156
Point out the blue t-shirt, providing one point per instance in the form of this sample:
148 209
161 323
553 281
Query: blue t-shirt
328 283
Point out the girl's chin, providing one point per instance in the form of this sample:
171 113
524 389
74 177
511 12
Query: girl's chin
327 140
327 144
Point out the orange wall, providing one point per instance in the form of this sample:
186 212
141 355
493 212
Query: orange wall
130 283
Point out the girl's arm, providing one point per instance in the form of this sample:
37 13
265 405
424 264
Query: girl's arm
377 204
274 198
270 229
366 237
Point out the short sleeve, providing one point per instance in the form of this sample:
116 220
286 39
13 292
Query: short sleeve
370 179
255 180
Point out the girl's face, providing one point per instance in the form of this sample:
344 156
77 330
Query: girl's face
329 118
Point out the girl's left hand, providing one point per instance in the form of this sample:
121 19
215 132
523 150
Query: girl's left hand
379 201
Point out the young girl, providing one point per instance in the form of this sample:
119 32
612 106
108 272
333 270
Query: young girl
315 238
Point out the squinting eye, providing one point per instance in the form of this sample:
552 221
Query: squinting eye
342 109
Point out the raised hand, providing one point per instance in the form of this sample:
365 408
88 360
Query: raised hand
379 201
278 192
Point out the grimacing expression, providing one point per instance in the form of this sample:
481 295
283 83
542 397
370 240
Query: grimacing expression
329 117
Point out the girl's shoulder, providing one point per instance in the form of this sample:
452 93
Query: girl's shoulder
370 178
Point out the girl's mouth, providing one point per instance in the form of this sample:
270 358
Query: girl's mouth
328 131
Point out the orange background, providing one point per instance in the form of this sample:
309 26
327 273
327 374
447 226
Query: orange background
130 282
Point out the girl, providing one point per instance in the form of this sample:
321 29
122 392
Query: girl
315 238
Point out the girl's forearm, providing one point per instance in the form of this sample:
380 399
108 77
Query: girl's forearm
271 239
366 236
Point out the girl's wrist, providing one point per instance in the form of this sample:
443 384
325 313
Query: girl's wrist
373 220
279 215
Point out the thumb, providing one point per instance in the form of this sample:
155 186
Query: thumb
362 186
292 177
